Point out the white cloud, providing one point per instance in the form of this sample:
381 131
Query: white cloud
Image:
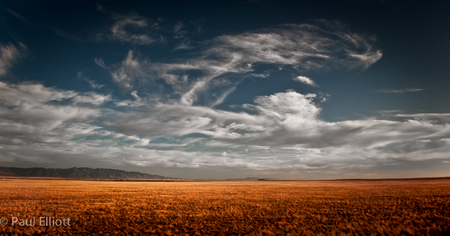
35 111
128 71
32 114
100 63
305 80
134 94
281 134
286 118
303 47
9 55
137 102
39 125
92 98
435 118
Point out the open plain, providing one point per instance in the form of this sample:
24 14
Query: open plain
377 207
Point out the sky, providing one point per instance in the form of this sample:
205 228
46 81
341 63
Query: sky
227 89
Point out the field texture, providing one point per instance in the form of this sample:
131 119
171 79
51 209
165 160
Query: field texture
409 207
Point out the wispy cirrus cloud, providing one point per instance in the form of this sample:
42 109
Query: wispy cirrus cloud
67 35
132 28
92 83
303 47
18 16
406 90
10 55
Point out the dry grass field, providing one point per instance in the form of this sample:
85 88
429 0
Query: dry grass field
394 207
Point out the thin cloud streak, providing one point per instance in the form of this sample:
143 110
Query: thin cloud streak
18 16
92 83
407 90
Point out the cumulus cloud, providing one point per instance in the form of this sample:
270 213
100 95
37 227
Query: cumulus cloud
9 55
305 80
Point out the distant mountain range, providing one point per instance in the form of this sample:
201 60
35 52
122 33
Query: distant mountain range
76 173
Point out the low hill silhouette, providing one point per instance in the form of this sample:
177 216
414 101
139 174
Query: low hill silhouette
76 173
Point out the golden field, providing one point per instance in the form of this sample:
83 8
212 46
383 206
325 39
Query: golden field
382 207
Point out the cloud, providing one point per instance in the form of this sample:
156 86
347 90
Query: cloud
178 30
100 63
18 16
91 98
421 145
92 83
9 55
407 90
129 70
31 112
66 35
133 28
53 121
305 80
183 131
182 32
284 131
281 135
178 120
286 118
435 118
304 47
136 103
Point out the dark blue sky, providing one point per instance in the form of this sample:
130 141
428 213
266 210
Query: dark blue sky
215 89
